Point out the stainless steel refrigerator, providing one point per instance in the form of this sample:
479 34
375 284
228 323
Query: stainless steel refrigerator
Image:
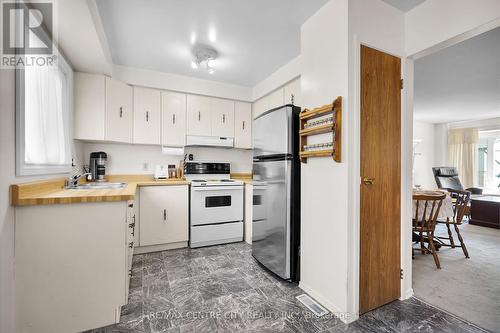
276 197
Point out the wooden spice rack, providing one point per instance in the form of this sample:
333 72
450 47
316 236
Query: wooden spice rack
335 109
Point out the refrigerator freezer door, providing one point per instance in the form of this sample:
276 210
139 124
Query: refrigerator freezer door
271 224
271 132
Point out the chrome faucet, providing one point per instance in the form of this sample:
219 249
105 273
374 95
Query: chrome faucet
72 181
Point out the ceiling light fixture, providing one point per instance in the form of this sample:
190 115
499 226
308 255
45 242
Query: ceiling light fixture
203 56
193 38
212 36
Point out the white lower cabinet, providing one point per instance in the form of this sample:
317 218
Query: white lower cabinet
72 265
163 215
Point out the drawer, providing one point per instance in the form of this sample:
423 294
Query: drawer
206 235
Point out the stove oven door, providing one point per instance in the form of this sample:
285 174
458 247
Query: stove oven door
216 204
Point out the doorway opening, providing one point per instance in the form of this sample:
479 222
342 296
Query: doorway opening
456 148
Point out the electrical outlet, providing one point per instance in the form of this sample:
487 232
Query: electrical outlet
145 166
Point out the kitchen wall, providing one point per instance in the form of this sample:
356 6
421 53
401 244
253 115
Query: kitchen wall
141 159
424 159
436 21
282 75
324 182
181 83
7 170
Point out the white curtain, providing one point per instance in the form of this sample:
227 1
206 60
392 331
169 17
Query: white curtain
462 153
44 118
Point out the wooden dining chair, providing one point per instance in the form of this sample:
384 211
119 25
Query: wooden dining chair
460 209
424 221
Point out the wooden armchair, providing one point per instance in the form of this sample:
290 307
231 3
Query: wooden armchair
460 209
424 221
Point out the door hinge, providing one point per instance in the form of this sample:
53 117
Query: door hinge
401 274
402 83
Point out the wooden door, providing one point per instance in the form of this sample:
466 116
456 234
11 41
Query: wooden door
163 215
222 115
119 117
198 115
380 179
173 108
146 116
243 125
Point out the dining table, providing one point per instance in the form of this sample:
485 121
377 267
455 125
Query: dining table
445 212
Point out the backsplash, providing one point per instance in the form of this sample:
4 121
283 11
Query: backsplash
141 159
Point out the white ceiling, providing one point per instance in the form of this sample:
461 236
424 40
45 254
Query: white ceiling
404 5
461 82
254 38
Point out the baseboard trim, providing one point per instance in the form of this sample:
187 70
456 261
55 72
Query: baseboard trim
342 315
407 294
161 247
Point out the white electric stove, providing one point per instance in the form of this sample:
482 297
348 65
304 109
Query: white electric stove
216 204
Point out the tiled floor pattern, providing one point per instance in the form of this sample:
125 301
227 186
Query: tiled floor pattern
223 289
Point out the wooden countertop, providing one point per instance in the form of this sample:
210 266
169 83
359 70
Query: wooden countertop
50 192
244 177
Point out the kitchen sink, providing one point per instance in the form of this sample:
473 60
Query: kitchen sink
99 186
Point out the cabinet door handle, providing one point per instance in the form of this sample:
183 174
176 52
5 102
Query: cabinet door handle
173 119
199 116
121 111
223 118
130 272
292 99
131 225
164 215
131 244
147 116
243 125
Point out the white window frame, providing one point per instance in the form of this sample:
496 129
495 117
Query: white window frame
22 168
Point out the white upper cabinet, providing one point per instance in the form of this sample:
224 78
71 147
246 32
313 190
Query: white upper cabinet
242 125
292 93
222 115
275 99
147 116
173 108
198 115
119 114
260 106
90 106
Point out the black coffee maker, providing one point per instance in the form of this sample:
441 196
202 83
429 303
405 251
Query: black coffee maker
98 166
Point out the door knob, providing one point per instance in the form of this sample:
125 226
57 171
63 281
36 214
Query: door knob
368 181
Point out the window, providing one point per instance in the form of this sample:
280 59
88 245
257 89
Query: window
43 119
496 164
482 169
488 159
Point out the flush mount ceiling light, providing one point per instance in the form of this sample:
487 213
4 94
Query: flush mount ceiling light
203 56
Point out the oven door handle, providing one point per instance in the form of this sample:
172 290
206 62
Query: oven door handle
213 188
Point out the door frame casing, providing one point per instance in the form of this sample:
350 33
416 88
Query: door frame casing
354 194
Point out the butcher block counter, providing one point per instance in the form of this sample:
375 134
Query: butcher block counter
52 191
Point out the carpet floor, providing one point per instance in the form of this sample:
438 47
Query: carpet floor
467 288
